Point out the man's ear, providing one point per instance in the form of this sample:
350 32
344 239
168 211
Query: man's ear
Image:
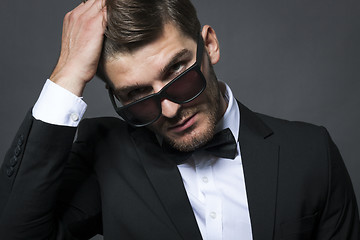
211 44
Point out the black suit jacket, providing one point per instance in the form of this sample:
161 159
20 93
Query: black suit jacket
115 180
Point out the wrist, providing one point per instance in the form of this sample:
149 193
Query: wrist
69 82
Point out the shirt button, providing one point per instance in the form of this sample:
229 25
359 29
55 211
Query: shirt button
213 215
205 179
74 117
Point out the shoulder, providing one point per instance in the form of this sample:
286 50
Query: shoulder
296 137
286 128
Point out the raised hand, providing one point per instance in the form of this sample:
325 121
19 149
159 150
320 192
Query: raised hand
82 38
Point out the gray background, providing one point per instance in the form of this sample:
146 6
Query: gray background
294 59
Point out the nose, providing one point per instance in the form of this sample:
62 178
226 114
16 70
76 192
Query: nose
169 108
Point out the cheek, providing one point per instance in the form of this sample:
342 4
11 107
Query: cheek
159 126
196 102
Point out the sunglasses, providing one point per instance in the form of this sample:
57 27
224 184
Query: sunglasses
182 89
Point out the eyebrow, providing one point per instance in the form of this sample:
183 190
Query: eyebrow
181 54
119 91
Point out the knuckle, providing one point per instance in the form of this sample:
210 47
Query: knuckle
73 16
67 16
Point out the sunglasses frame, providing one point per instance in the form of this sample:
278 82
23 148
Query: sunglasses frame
162 93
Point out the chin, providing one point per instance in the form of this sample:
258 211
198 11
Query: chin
193 138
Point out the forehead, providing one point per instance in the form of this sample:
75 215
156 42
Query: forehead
144 64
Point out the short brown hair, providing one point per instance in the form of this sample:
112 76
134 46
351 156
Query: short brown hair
134 23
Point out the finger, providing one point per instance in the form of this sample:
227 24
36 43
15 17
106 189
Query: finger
97 6
101 19
78 11
73 16
103 3
104 14
83 7
86 3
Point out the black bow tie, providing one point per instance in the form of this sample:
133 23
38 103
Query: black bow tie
222 145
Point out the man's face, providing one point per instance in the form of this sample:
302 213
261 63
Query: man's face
148 69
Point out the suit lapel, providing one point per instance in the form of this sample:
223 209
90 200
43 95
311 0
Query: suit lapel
167 182
260 162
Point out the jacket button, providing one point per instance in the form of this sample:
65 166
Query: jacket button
10 171
21 140
17 151
13 161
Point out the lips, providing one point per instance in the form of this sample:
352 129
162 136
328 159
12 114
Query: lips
184 124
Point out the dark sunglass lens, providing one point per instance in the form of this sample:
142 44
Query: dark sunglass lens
142 112
186 87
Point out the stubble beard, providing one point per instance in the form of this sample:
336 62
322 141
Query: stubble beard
194 138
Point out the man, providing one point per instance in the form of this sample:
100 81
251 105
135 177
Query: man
189 163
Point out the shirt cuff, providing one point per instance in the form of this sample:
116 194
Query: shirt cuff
58 106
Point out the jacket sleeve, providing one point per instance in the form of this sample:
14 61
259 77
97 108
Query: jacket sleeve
340 217
31 181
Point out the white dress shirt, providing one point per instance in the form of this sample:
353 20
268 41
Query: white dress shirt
215 186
